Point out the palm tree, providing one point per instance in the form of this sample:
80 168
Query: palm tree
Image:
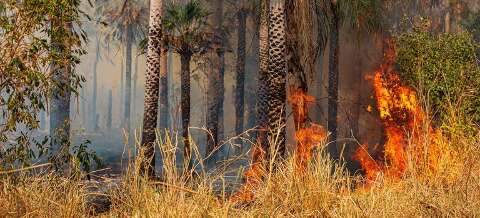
185 34
152 85
302 49
277 73
127 22
215 90
240 68
262 102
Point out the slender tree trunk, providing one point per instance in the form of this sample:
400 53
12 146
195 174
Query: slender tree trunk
134 95
109 112
163 124
95 84
333 79
128 78
295 65
240 68
262 99
122 90
215 90
277 73
171 89
447 16
185 104
152 82
84 108
252 72
60 102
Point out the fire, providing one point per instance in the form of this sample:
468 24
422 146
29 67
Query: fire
308 134
253 177
408 135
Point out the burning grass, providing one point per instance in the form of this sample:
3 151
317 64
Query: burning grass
324 189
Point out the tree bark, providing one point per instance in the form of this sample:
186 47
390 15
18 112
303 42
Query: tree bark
277 73
163 120
60 100
216 89
152 82
333 79
185 105
134 95
251 71
95 84
240 68
262 99
128 79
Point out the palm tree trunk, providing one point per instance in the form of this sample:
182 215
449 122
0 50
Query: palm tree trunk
240 68
128 78
163 124
333 79
185 103
262 99
277 73
152 82
95 82
251 71
215 90
295 67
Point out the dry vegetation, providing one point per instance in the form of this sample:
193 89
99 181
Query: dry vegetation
320 191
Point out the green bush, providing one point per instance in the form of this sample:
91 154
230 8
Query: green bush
444 69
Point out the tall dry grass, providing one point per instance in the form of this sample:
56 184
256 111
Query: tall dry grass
325 189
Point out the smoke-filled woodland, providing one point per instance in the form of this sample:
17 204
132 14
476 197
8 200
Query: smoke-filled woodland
239 108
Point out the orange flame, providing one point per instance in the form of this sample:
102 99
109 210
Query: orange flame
403 119
308 134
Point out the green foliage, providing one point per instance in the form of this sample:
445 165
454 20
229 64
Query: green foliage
185 27
444 69
34 36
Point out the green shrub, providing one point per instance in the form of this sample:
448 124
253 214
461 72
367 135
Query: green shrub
444 69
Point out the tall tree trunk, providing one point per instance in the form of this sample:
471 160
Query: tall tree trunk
447 18
262 99
109 112
128 78
152 82
216 89
60 101
84 107
171 89
240 68
295 65
251 72
277 73
95 82
163 124
185 104
134 95
333 79
122 89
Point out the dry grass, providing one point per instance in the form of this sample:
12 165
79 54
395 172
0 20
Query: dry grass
325 189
